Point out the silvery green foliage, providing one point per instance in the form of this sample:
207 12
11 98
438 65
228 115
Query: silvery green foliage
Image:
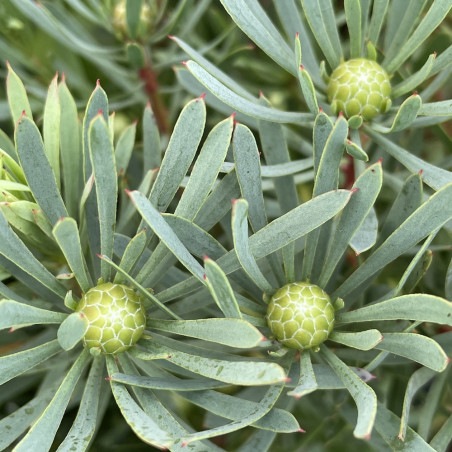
206 268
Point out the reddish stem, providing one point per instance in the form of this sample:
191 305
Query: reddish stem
149 77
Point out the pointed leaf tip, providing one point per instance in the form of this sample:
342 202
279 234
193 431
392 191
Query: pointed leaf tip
202 96
206 258
287 380
354 190
171 37
302 67
320 110
184 63
98 82
300 430
297 35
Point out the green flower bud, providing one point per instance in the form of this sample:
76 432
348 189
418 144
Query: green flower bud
147 15
116 317
300 315
359 87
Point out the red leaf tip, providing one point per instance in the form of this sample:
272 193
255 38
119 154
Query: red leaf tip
320 110
261 93
341 115
108 378
127 191
420 172
415 93
100 111
354 190
171 37
380 160
301 67
287 380
206 258
204 276
23 115
99 256
202 96
300 430
98 82
184 63
297 35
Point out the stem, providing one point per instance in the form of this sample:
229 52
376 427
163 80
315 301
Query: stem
149 77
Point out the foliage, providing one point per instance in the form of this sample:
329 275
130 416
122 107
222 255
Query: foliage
206 235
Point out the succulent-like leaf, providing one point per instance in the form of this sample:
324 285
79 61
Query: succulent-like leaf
230 332
14 315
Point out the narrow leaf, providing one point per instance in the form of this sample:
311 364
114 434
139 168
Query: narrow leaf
84 426
153 217
432 175
404 117
386 424
104 168
435 15
124 148
51 129
71 151
247 168
144 427
246 373
412 82
364 396
230 332
422 307
241 245
44 429
221 290
254 22
179 154
67 236
17 96
307 382
72 330
418 348
24 264
14 315
416 381
434 213
242 104
151 141
368 186
353 17
320 16
38 171
308 90
206 169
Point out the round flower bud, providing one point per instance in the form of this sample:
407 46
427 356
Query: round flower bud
147 15
359 87
116 317
300 315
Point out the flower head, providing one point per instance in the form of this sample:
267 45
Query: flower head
116 317
359 87
300 315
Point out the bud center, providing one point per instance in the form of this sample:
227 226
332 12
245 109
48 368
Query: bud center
359 87
300 315
116 317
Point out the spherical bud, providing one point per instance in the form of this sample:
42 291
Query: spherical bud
147 15
300 315
116 317
359 87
